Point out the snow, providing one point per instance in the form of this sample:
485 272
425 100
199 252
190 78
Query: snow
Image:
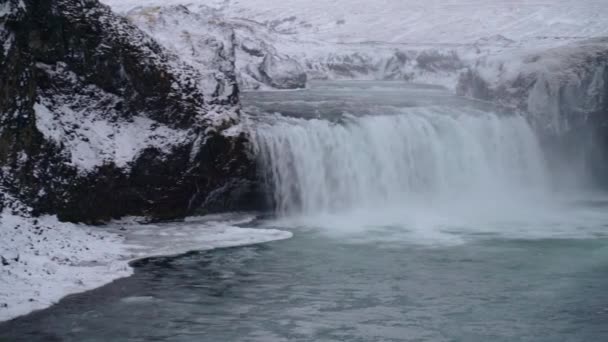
558 87
409 21
43 260
199 43
6 8
48 259
92 141
6 37
318 34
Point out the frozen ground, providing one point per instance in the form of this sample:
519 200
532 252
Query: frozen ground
411 21
43 260
431 42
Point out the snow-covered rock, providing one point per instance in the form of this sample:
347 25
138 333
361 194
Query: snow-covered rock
356 39
189 34
560 88
563 91
409 21
269 56
42 259
98 120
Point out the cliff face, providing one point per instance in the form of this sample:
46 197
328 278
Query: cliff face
270 58
563 91
559 88
189 33
99 121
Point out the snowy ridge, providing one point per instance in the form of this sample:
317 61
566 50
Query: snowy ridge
337 41
266 58
207 47
117 30
208 41
410 21
90 125
559 87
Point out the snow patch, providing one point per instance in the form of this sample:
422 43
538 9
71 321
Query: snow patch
8 39
42 260
93 141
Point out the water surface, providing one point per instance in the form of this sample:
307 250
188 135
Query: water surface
417 216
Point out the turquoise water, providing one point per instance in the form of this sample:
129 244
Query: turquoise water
319 288
417 216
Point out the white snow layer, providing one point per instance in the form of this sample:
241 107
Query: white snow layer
410 21
43 260
359 39
92 141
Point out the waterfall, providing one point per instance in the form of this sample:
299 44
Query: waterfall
436 153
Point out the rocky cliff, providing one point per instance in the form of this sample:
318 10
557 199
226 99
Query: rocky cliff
563 91
270 58
560 87
98 121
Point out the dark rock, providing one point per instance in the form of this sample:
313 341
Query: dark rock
78 58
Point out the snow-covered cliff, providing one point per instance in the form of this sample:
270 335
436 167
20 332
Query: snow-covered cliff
560 88
280 45
267 57
98 120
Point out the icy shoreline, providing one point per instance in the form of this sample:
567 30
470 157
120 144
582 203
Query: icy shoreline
44 260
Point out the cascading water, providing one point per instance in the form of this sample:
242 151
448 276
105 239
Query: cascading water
421 155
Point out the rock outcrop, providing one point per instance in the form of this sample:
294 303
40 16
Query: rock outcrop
563 91
98 121
270 58
189 34
559 88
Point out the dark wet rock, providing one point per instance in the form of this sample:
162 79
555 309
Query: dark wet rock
75 77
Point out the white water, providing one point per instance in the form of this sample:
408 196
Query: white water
423 156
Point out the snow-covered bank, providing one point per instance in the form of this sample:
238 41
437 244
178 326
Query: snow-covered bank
43 260
281 45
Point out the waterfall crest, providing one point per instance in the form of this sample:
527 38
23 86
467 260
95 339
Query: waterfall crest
428 154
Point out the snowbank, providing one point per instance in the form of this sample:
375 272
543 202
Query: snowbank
280 45
43 260
407 21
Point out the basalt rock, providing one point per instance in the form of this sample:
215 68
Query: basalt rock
98 121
